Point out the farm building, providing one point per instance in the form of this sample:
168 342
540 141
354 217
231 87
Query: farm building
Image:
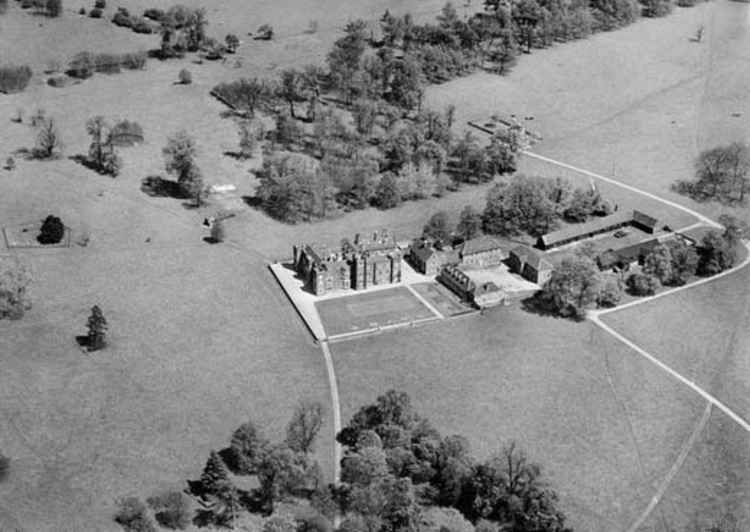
356 265
482 295
627 256
481 252
427 259
576 232
529 264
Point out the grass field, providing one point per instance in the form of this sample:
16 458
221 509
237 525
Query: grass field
638 104
603 423
701 333
370 310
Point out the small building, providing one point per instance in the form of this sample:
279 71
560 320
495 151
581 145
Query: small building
482 252
529 264
625 257
427 259
482 295
644 222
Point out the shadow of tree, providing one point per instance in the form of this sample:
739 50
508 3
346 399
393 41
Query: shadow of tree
158 187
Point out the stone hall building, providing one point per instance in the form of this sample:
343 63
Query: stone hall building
357 264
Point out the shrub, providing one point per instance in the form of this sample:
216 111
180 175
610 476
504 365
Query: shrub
185 77
264 33
133 516
100 4
14 281
122 19
10 163
52 231
172 509
58 81
82 65
134 60
4 467
141 25
95 13
82 11
218 233
126 133
107 63
232 43
154 14
14 78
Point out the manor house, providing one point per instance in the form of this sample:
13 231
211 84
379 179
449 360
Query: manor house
357 264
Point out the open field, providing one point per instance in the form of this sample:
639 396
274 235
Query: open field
701 333
369 310
605 425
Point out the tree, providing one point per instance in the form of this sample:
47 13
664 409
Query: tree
406 83
179 155
509 489
4 467
522 204
52 230
716 255
345 56
193 185
280 523
611 292
291 88
365 112
247 448
133 516
642 284
184 77
658 263
215 476
364 466
14 282
232 42
97 329
224 504
249 134
102 155
218 232
172 509
573 287
469 224
437 227
48 141
684 261
284 472
441 519
656 8
387 194
722 173
195 29
53 7
304 426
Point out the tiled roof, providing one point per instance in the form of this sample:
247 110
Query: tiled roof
645 219
532 258
479 245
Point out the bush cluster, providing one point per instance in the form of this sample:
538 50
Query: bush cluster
14 78
96 13
52 231
84 64
124 19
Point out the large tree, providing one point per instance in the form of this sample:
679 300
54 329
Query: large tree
247 448
469 223
437 227
48 140
573 287
521 205
304 426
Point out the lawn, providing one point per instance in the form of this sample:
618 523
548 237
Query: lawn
605 426
702 333
442 298
370 310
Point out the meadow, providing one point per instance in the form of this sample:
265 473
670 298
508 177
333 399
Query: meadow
604 425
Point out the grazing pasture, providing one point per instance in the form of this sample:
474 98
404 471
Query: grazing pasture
603 422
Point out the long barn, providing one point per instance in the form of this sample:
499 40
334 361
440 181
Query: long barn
576 232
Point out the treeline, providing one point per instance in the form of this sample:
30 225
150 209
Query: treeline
50 8
398 474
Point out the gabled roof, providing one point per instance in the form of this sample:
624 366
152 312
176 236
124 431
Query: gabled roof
531 257
422 250
593 226
479 244
645 219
